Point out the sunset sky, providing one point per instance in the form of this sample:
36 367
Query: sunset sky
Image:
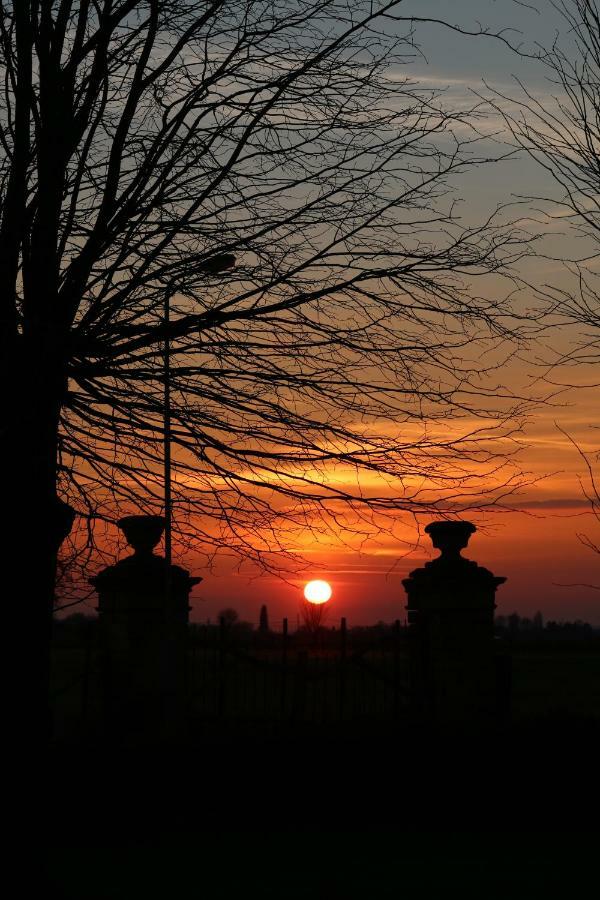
533 540
536 547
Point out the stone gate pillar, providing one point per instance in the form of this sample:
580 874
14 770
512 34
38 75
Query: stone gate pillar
450 609
143 610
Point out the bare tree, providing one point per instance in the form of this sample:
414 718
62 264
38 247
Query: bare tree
562 134
590 489
145 144
314 615
228 616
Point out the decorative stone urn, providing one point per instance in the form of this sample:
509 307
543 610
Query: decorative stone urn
143 609
450 610
142 532
450 538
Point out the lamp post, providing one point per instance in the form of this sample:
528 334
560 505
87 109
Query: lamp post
210 267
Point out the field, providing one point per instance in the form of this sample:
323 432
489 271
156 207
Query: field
252 681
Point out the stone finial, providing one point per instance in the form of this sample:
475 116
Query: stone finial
142 574
142 532
450 537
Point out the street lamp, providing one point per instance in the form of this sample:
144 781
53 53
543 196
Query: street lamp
211 266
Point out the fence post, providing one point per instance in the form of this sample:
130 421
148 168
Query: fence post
343 651
396 668
192 675
503 663
221 669
284 662
300 686
85 683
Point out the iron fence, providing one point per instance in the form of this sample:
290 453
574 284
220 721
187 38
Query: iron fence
241 675
330 676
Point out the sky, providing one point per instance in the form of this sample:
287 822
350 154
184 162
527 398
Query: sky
536 546
536 542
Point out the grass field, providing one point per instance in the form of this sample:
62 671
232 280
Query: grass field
257 684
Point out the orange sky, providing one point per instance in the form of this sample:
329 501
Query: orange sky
535 546
535 554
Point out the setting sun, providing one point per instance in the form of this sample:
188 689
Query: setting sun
317 591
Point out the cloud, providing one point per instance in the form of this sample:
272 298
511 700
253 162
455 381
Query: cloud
563 503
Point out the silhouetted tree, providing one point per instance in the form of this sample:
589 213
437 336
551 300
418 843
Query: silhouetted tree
228 616
560 130
263 623
577 630
500 623
590 487
145 144
313 615
514 622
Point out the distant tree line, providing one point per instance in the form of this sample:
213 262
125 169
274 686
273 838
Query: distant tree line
523 627
70 628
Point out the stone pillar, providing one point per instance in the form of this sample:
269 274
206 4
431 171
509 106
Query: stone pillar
143 610
451 602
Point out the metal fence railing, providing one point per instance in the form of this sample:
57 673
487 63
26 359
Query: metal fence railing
318 678
235 674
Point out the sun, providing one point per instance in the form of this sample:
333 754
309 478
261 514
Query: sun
317 591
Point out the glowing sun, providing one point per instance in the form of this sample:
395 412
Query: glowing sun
317 591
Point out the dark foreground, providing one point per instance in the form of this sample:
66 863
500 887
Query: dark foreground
508 812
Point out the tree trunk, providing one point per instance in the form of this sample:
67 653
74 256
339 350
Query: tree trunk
33 515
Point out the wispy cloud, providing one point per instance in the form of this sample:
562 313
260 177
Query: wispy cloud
554 503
